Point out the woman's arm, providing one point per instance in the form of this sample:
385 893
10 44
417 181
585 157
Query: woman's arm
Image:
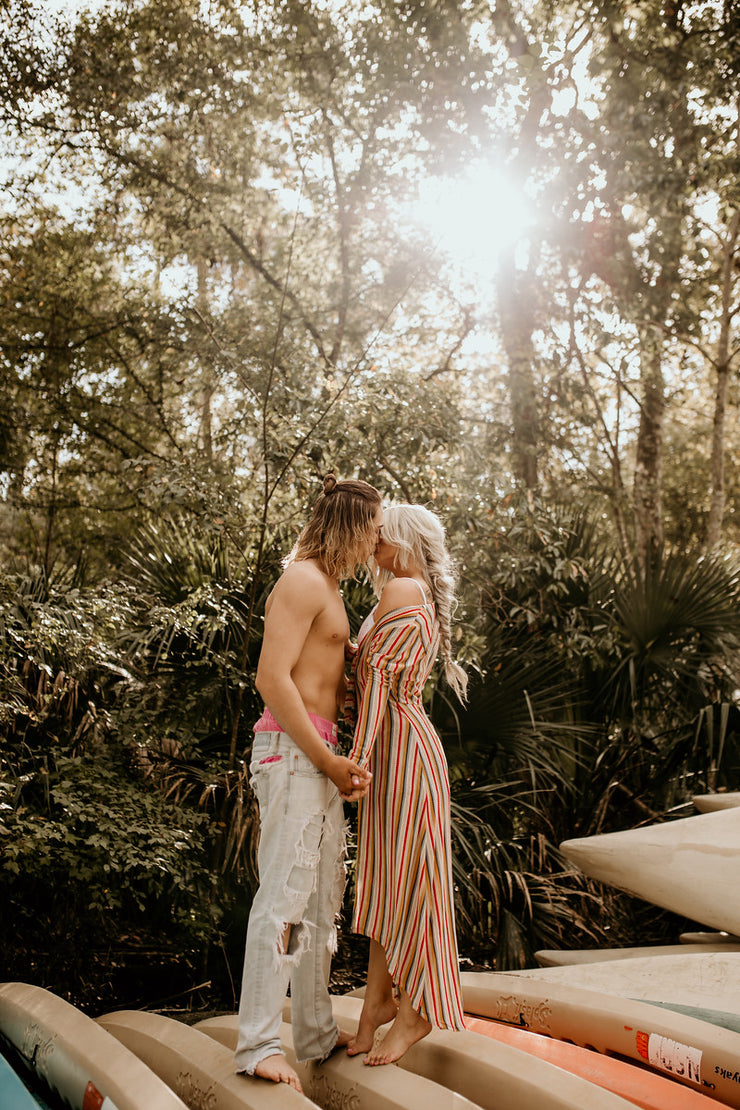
388 651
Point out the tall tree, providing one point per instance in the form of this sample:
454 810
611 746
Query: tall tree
660 122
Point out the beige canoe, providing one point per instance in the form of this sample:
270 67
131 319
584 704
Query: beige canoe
710 980
345 1082
689 866
708 803
199 1069
493 1076
695 1053
77 1058
555 957
708 938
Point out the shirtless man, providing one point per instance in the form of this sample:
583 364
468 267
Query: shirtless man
299 780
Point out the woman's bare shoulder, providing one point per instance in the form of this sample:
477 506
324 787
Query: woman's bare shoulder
400 593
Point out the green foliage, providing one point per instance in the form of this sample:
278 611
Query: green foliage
86 826
193 643
89 851
608 696
680 628
214 290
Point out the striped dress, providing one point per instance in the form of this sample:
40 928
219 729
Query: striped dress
404 895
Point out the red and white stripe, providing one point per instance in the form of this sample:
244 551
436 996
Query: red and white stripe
404 891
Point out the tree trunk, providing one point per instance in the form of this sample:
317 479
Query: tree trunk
206 419
51 508
517 326
717 503
647 498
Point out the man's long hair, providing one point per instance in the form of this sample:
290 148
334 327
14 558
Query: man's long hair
340 529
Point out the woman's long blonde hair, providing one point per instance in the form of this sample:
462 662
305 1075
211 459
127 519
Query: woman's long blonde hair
418 534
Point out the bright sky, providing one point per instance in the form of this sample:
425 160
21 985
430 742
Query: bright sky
470 219
474 218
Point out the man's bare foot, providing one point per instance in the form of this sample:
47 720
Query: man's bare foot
277 1069
371 1018
405 1031
342 1041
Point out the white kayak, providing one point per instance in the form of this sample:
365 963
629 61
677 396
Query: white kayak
492 1076
693 1052
199 1069
689 866
556 957
75 1057
344 1081
701 979
701 937
708 803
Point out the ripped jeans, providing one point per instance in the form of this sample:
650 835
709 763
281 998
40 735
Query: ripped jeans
301 859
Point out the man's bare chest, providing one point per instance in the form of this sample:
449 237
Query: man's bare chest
331 626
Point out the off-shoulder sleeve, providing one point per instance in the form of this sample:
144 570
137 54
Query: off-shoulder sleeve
388 654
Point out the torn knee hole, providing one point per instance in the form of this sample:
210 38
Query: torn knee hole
291 941
283 942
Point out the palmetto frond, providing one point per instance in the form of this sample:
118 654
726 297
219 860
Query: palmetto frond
171 559
608 695
679 619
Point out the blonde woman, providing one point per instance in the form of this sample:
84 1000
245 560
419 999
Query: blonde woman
404 896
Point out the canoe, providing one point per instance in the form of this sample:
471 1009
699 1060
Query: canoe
76 1058
643 1088
714 1017
14 1095
697 986
345 1081
710 980
708 938
701 1056
687 866
554 957
196 1067
492 1076
708 803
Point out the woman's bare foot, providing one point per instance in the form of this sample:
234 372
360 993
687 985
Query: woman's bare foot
277 1069
371 1018
406 1030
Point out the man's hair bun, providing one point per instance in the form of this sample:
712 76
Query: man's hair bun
330 484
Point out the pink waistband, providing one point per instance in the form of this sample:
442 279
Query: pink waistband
327 730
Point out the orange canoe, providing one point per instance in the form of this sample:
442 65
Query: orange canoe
636 1084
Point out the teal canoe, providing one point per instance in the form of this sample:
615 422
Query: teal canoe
14 1095
714 1017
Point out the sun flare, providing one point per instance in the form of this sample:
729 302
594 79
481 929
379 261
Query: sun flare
474 218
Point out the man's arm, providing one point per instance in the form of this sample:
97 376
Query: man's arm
296 602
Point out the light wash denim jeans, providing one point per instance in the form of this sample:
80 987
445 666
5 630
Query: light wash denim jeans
302 871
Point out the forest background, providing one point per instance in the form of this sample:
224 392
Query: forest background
481 254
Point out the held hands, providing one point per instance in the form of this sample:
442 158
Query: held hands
351 781
358 792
